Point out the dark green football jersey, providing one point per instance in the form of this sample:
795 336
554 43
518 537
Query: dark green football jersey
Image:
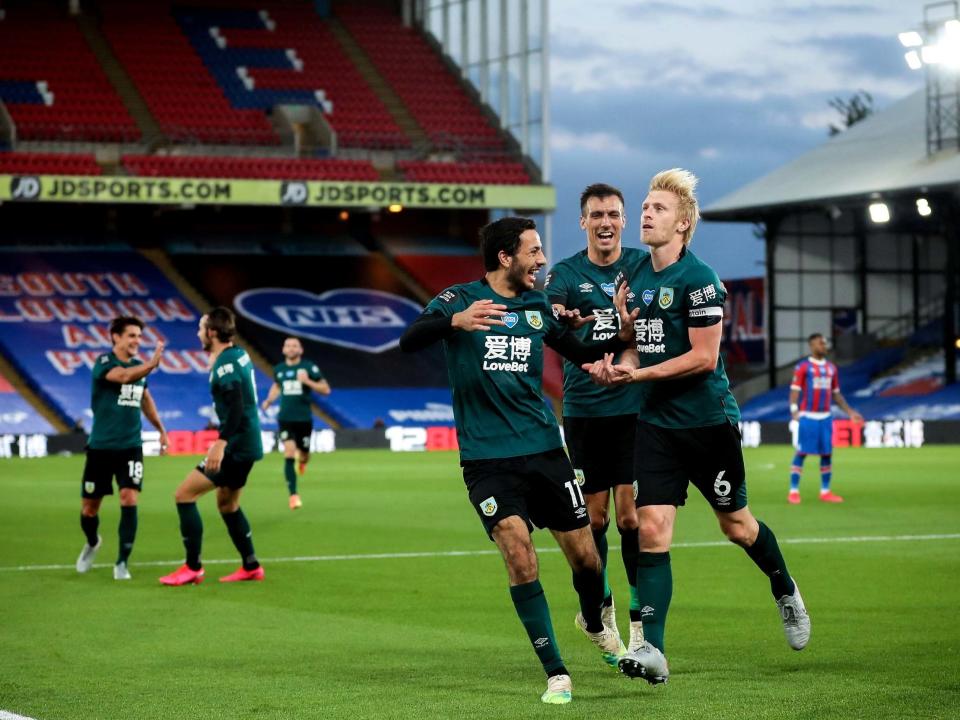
496 376
295 397
116 407
684 295
578 284
233 368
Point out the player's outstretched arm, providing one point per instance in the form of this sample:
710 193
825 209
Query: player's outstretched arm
605 372
430 328
272 396
149 408
123 375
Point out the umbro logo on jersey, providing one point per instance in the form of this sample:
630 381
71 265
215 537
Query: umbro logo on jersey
586 287
647 297
608 288
510 319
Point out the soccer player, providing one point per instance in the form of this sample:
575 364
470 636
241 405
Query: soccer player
687 426
599 422
816 381
115 449
516 473
230 458
295 418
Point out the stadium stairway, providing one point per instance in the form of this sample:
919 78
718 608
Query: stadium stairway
164 264
118 77
378 84
10 375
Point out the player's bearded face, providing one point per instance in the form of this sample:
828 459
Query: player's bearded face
204 335
527 262
292 349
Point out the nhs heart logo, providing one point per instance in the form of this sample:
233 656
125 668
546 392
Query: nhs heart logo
356 318
510 319
647 297
608 288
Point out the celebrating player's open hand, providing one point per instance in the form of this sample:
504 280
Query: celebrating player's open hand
604 372
481 315
627 319
157 354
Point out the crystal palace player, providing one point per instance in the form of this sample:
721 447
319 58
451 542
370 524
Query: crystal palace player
293 379
517 475
687 426
229 460
115 448
816 382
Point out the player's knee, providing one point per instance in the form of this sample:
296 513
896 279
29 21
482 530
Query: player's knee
182 496
652 530
599 520
738 533
627 522
521 564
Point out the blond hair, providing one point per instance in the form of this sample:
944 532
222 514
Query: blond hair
683 184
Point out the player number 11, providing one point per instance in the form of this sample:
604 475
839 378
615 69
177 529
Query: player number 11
575 495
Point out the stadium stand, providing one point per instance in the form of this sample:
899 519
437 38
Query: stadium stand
31 163
351 333
487 173
243 167
185 99
56 308
17 416
51 83
416 73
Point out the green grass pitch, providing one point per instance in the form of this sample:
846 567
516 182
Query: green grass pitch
346 626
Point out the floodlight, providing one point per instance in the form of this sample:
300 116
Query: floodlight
879 212
931 54
913 60
910 39
395 208
923 207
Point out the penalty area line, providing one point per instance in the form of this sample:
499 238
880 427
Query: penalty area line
4 715
476 553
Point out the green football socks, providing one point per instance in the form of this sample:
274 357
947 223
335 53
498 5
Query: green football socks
290 475
630 548
654 590
239 530
191 531
90 525
765 552
127 531
532 609
600 538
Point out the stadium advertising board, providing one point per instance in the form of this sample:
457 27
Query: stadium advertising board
874 434
326 193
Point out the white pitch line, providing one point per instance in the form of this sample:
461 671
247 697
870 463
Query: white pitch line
474 553
4 715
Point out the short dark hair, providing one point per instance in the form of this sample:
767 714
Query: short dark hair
292 337
598 190
223 323
814 336
503 234
122 322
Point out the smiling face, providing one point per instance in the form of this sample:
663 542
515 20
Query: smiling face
603 220
127 344
660 225
526 263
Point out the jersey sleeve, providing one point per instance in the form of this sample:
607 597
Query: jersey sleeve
226 376
703 298
799 377
104 364
446 304
315 373
835 385
557 286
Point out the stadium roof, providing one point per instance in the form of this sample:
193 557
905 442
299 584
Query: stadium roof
886 153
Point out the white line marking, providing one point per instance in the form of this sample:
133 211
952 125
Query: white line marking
474 553
4 715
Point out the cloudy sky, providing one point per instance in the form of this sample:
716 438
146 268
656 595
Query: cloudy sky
729 89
